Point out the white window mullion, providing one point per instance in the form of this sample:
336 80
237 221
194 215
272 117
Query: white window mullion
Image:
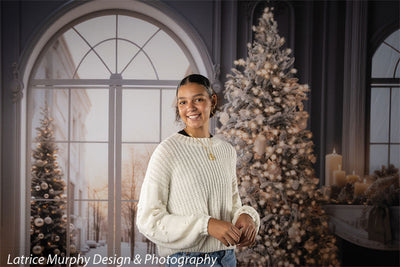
118 169
160 118
95 83
111 160
69 199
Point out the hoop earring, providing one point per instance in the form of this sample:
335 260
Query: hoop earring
213 111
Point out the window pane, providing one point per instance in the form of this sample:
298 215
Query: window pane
107 52
140 68
76 46
135 30
89 169
57 62
97 29
395 155
386 57
79 226
90 230
169 124
89 116
378 156
57 102
395 116
141 115
92 68
126 51
168 57
133 242
379 122
135 158
394 41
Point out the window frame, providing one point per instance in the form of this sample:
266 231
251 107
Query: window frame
383 83
199 64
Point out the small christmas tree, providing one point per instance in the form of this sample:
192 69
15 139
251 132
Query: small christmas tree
48 214
265 121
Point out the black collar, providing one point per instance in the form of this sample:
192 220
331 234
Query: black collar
186 134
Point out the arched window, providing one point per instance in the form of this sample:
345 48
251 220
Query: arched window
109 82
384 133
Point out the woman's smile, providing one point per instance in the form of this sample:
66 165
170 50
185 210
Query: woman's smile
194 117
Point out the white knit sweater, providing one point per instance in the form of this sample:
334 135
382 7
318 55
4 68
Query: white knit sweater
183 188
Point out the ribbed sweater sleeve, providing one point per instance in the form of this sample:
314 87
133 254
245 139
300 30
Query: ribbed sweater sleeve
153 219
237 208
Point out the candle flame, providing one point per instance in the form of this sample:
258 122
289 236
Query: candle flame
334 150
354 172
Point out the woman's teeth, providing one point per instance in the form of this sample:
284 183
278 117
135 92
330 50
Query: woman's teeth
194 116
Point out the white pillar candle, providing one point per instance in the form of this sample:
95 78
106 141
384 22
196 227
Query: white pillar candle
332 162
352 178
339 177
360 188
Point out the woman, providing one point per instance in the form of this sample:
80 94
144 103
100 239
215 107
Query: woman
189 203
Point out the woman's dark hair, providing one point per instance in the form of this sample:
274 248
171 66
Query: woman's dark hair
201 80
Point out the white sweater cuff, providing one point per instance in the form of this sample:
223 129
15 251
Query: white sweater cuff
204 229
249 211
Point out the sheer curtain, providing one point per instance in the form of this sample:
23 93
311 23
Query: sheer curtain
354 87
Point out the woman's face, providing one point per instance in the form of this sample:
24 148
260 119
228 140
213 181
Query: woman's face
194 105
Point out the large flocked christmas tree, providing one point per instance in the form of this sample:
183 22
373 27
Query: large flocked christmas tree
48 207
265 121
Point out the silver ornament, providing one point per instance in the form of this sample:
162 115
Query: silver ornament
44 186
37 250
48 220
39 222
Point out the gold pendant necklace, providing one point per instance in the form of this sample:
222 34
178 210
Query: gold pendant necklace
209 152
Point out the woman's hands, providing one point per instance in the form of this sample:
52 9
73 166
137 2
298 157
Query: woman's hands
248 230
225 232
243 233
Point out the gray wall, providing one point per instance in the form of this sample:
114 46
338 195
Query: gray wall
315 30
